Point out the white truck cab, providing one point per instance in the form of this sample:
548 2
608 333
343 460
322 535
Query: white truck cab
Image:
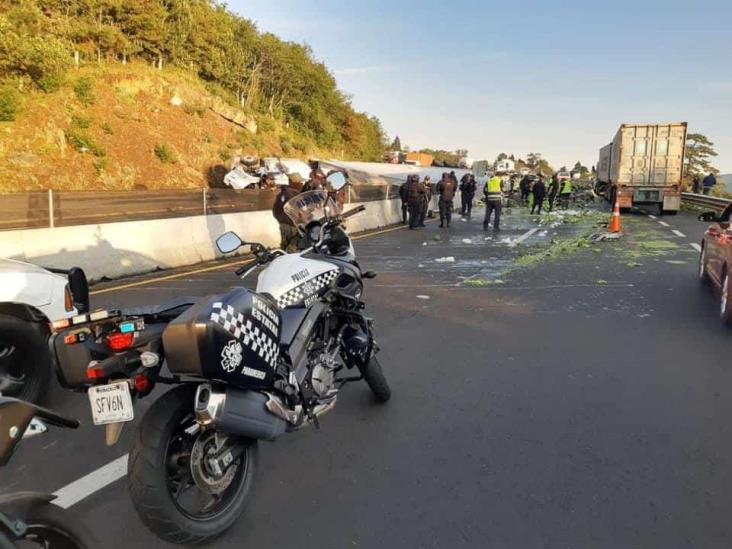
32 297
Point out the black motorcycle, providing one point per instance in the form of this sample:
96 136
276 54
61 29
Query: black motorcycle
30 519
246 365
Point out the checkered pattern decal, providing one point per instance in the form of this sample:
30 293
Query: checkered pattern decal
253 337
306 289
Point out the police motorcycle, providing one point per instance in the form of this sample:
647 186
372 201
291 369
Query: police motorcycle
246 366
31 519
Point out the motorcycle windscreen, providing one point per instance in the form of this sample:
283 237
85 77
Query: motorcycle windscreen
232 338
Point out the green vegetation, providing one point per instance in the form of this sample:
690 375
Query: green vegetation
558 248
107 128
165 154
40 40
79 138
8 104
84 90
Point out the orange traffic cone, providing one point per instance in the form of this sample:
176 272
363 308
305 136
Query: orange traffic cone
614 226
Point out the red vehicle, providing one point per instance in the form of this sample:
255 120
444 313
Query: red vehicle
715 260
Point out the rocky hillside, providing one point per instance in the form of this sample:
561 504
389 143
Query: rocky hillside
129 127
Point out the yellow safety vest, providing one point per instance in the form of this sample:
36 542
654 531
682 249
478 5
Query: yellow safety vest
493 187
567 188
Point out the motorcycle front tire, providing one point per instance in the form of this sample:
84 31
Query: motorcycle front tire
147 475
374 377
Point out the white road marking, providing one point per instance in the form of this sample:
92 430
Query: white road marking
88 484
696 246
664 224
651 216
678 233
524 236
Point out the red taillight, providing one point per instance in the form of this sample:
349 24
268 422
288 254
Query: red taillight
142 383
94 372
119 342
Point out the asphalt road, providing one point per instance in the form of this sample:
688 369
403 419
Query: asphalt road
580 402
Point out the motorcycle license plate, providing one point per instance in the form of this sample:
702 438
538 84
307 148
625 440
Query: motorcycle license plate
111 403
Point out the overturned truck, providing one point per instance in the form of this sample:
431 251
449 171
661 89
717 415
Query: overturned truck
643 166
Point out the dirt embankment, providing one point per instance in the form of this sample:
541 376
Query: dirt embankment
130 127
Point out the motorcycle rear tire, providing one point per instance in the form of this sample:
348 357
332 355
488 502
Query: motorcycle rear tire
147 475
374 377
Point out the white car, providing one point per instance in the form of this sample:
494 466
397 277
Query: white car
32 297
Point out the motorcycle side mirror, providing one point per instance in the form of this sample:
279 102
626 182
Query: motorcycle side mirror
707 216
337 180
228 242
79 287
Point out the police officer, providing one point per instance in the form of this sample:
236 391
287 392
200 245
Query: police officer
493 196
415 200
316 182
566 192
467 192
427 184
446 189
289 236
403 197
539 192
553 191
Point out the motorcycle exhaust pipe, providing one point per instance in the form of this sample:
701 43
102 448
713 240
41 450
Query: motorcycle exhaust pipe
237 412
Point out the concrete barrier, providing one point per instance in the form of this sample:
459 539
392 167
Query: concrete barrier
112 250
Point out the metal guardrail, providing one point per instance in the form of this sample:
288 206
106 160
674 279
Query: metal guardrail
705 201
66 208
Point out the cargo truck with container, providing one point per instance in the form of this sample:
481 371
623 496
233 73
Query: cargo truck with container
643 167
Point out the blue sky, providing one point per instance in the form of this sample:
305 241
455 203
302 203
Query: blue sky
546 76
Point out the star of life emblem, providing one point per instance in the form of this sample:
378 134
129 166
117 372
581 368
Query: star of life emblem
308 288
231 356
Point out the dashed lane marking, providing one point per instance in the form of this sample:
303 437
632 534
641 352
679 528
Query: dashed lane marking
663 224
678 233
651 216
696 246
88 484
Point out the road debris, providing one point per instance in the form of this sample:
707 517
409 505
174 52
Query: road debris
480 282
423 297
448 259
467 241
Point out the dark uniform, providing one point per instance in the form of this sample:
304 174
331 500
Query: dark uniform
403 197
289 235
539 192
468 186
415 200
426 202
446 189
553 191
316 182
525 187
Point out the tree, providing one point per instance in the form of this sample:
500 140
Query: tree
512 157
699 151
533 159
461 152
396 145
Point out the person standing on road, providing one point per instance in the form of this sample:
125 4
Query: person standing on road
553 191
467 192
403 197
566 193
524 186
415 200
709 182
696 185
427 184
539 192
289 235
493 196
446 189
453 177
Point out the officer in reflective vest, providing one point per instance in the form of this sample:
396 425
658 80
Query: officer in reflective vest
565 193
493 196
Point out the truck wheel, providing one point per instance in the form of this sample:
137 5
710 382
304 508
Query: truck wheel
25 362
